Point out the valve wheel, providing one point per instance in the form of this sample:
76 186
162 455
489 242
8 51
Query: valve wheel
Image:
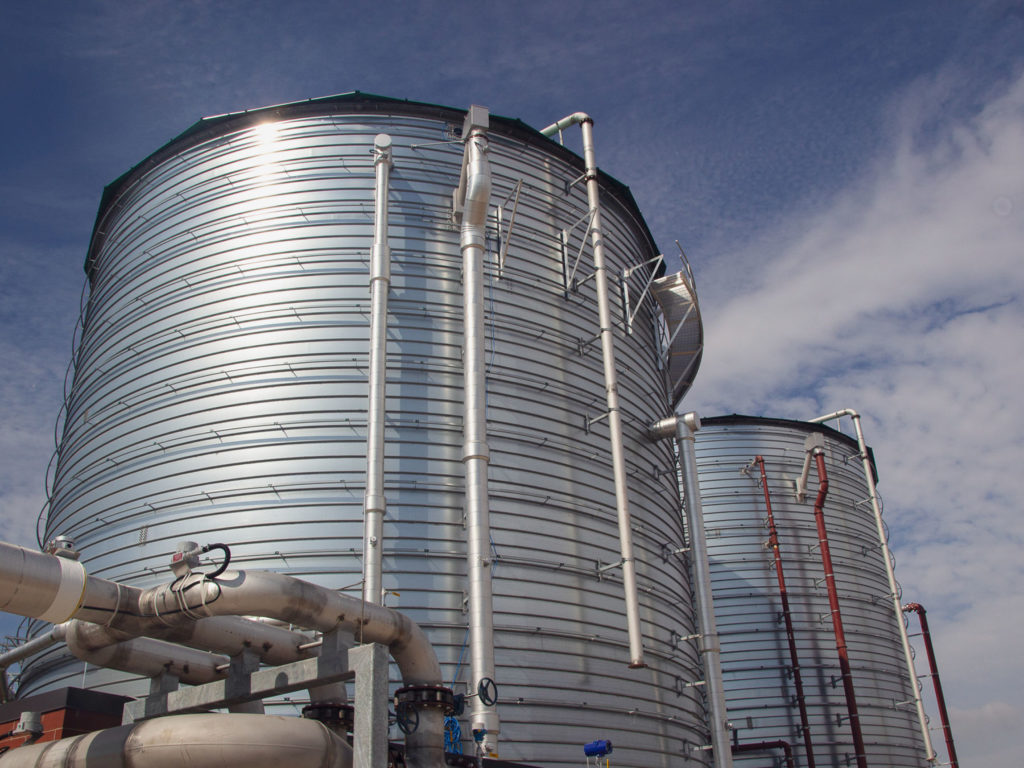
487 690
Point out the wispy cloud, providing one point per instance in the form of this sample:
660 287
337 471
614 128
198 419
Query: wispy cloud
904 298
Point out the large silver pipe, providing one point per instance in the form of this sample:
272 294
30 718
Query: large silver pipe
103 647
894 591
710 649
374 503
32 582
196 741
472 197
234 634
586 123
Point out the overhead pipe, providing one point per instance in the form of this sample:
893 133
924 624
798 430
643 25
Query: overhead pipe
22 652
894 590
947 731
196 741
145 656
374 503
586 123
794 659
833 601
683 427
470 202
35 584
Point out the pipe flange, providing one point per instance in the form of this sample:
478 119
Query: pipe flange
426 696
334 715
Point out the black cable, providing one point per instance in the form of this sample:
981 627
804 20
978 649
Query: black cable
227 559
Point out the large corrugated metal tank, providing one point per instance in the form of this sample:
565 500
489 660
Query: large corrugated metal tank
220 394
756 663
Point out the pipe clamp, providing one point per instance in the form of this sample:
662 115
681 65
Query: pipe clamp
70 592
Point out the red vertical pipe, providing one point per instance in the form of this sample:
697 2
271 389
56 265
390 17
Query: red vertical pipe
833 602
773 542
947 732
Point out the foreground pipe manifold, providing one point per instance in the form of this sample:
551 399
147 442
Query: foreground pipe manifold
196 741
32 582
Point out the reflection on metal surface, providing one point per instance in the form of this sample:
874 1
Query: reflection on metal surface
220 394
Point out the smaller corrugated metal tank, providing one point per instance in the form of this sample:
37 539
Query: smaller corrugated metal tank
756 662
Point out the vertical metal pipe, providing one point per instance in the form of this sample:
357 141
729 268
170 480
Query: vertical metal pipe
586 123
894 591
374 503
710 648
833 602
940 700
475 191
773 542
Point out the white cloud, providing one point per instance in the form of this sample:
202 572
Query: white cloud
904 298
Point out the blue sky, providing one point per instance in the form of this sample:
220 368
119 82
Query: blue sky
846 179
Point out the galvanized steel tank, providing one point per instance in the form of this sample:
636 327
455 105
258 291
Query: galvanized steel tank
220 394
756 662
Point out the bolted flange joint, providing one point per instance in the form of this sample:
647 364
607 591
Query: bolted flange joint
426 696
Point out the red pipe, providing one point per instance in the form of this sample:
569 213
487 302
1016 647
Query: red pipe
833 602
762 746
773 542
947 732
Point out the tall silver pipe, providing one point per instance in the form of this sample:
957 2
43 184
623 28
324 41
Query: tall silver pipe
586 123
894 592
471 198
198 741
710 648
374 503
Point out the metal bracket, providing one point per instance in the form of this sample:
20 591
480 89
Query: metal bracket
499 212
628 315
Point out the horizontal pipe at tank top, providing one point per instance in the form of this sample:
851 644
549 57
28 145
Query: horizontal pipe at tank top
586 123
683 427
940 700
818 454
794 659
894 590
